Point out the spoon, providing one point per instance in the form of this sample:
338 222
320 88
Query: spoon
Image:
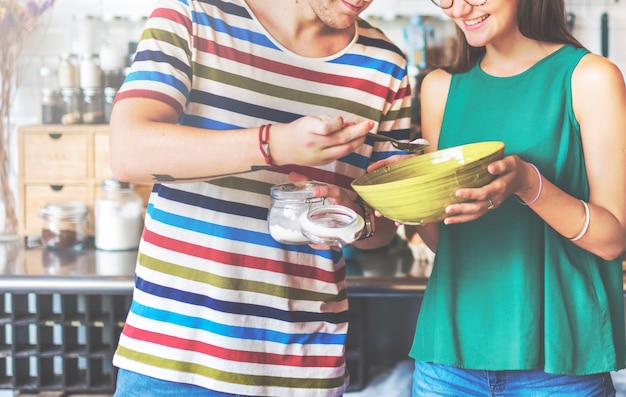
415 145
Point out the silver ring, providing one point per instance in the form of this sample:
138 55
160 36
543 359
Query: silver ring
490 205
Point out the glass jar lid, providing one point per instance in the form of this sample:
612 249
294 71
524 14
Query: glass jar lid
295 191
114 184
64 210
332 225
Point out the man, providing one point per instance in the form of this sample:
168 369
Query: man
224 100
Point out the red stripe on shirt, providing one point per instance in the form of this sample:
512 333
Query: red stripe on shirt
251 262
252 357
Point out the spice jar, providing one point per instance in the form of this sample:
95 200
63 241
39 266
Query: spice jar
68 71
89 71
71 106
289 202
109 99
65 225
118 213
51 106
47 78
86 31
93 106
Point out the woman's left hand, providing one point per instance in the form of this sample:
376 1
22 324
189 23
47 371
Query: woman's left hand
511 175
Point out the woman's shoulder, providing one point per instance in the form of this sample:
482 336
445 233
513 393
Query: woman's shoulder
594 63
594 70
437 80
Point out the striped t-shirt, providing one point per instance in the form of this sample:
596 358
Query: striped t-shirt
217 302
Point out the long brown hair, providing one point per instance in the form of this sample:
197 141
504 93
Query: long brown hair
542 20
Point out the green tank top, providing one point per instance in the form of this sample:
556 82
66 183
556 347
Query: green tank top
507 292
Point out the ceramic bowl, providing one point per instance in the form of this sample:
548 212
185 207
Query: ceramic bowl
416 190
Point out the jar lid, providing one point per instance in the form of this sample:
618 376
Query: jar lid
70 91
114 184
295 191
46 71
332 225
92 91
64 209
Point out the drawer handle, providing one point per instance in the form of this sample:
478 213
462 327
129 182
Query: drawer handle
55 135
56 188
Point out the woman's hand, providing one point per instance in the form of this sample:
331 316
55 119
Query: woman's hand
512 176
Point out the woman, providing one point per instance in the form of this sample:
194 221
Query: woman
525 297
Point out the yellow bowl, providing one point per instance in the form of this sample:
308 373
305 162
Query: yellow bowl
417 190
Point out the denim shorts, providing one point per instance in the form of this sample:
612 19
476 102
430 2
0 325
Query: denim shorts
434 380
132 384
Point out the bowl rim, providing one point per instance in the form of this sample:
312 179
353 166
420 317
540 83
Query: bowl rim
363 182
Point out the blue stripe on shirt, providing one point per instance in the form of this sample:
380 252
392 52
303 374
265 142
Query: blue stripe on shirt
168 80
292 316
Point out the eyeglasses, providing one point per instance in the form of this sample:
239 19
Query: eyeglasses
445 4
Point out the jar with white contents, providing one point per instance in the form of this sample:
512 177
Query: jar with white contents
289 201
332 225
118 213
296 216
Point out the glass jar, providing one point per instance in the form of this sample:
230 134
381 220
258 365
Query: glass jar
332 225
71 106
90 72
118 213
113 46
109 98
68 71
51 106
65 225
113 78
93 106
86 31
48 78
289 202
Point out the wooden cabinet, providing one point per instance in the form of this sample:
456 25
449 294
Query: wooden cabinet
58 163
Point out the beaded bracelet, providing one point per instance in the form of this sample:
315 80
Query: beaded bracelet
264 142
533 201
585 225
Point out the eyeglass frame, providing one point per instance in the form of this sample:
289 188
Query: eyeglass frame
452 3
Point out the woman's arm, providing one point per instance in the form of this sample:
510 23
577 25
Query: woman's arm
433 97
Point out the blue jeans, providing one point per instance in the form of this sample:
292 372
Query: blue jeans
434 380
132 384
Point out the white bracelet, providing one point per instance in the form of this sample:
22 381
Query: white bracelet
533 201
586 225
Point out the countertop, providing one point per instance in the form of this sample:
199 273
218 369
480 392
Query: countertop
36 269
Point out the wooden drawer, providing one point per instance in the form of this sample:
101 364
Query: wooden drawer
55 157
37 195
62 163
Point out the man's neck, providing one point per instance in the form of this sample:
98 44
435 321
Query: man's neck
297 28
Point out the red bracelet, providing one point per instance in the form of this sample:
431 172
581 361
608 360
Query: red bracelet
264 142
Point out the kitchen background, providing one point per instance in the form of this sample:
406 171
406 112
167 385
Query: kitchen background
69 28
60 32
